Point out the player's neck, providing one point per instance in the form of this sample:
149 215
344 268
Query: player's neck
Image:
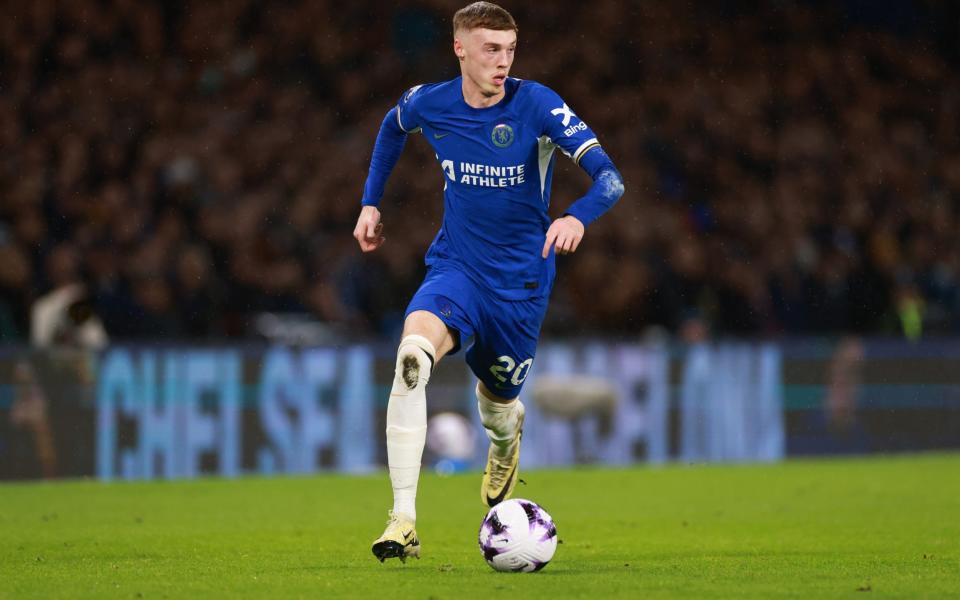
475 98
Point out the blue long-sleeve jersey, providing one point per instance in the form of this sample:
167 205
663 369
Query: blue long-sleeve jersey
497 164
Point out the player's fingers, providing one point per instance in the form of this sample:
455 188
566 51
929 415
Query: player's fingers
371 245
370 226
561 244
576 243
372 229
570 242
377 232
551 238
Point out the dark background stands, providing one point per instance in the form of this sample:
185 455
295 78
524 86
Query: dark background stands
792 169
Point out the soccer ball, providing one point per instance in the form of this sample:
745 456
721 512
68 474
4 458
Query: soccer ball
518 535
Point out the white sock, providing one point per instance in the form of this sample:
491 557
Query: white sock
500 420
407 421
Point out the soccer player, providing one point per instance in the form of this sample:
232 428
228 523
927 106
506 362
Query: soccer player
491 266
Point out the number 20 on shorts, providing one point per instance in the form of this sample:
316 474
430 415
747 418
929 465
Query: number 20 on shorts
507 368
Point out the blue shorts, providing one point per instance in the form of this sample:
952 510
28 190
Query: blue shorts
504 332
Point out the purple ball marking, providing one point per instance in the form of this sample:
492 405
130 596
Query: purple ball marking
535 517
489 552
492 527
496 527
549 533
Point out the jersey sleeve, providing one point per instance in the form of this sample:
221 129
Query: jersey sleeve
564 128
408 117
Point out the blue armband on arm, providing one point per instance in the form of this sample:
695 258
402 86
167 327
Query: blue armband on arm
606 189
386 153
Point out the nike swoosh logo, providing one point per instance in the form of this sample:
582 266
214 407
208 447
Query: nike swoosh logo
438 136
494 501
407 534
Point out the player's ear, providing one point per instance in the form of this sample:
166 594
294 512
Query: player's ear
458 48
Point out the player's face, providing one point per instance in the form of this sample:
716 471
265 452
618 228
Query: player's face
485 58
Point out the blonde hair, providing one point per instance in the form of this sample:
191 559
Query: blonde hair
483 15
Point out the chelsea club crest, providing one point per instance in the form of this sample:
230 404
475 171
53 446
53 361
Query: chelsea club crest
502 135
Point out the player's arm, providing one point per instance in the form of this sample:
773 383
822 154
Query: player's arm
386 152
566 232
606 189
577 140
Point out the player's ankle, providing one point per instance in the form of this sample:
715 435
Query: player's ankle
406 513
503 452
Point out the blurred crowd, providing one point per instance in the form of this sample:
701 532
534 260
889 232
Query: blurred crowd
177 169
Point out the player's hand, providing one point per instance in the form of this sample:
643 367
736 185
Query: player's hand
369 229
565 234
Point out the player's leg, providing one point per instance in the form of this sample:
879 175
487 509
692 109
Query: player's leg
501 358
438 316
425 340
502 419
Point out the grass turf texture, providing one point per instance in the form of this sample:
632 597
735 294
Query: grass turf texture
890 526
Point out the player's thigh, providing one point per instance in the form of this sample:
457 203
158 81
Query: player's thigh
505 345
429 325
444 310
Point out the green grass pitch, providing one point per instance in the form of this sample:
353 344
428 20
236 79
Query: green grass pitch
888 527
